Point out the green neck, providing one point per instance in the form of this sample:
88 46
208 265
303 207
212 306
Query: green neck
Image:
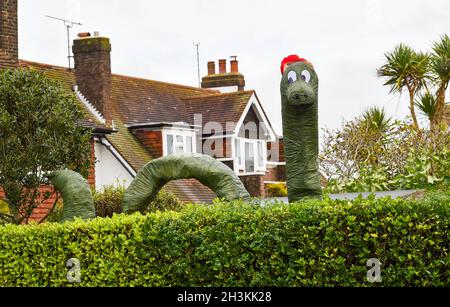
299 92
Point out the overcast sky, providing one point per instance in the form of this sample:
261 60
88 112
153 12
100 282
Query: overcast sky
345 40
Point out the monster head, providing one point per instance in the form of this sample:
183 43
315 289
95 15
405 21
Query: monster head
300 84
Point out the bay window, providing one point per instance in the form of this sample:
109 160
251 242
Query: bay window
250 155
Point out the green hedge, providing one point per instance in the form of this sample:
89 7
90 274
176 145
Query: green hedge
305 244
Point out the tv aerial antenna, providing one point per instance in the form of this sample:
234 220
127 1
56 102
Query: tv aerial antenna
197 44
69 24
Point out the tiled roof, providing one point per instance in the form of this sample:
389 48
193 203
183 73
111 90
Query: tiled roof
145 101
220 108
137 101
67 79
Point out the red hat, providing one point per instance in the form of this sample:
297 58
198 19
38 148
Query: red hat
291 59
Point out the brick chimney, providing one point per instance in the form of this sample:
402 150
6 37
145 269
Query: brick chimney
93 71
9 47
224 81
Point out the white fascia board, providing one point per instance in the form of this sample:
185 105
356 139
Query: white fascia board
215 137
89 105
117 155
276 163
261 115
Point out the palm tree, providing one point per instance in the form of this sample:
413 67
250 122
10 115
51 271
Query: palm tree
427 104
376 119
440 64
406 68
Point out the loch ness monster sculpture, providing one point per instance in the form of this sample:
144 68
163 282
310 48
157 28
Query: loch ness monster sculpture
79 202
299 95
207 170
76 194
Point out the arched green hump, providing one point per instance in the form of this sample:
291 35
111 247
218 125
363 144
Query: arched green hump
207 170
76 194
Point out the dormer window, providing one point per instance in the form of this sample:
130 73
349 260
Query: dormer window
179 142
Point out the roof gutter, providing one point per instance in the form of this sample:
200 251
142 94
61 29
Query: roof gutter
163 124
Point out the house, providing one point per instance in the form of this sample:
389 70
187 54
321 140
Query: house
136 120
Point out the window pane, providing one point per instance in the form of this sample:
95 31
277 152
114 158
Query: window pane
237 146
179 144
260 155
249 158
169 144
189 144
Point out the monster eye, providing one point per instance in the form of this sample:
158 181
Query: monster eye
306 76
292 77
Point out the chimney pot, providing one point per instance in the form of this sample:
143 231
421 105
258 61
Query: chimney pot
234 64
84 34
211 68
222 66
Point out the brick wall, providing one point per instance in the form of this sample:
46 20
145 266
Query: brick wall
276 173
9 48
152 140
275 151
254 185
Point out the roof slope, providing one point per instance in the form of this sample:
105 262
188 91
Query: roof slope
220 108
67 79
139 101
135 101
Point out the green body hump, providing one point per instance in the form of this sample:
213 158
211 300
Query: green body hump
207 170
299 92
76 194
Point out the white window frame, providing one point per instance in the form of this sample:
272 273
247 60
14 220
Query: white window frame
239 157
174 132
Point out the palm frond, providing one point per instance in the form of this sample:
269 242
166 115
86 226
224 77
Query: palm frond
441 59
404 67
376 119
427 105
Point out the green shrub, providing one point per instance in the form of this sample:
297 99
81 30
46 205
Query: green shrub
4 209
357 159
236 244
56 215
277 190
109 201
165 201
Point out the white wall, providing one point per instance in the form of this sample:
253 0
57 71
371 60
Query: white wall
108 170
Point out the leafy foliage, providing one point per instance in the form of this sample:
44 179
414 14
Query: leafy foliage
109 200
441 70
427 104
420 73
277 190
310 243
406 69
376 119
39 133
357 159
